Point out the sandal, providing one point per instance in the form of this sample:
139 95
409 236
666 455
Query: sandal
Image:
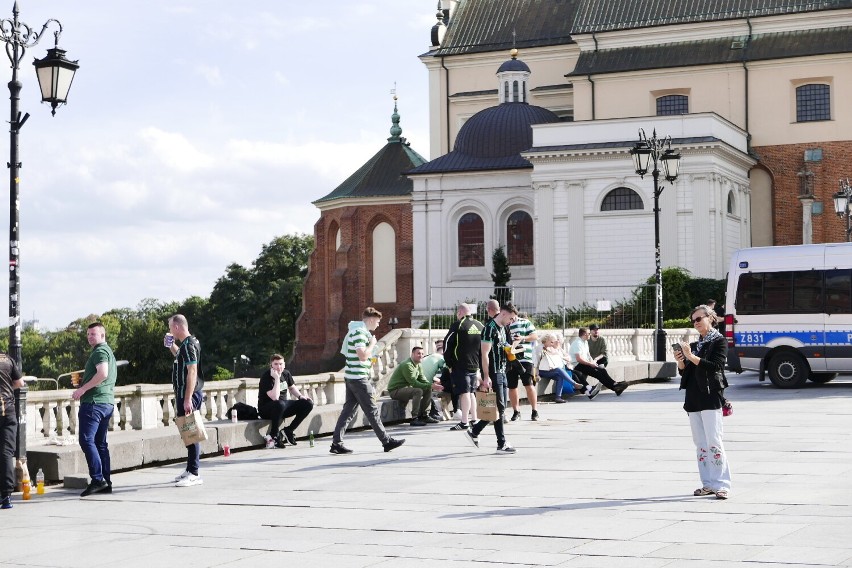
703 492
722 494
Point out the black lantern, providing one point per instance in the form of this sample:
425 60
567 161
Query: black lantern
55 74
671 164
641 153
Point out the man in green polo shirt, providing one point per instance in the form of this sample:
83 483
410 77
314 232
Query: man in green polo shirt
97 401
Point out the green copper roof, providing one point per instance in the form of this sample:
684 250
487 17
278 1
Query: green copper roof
382 175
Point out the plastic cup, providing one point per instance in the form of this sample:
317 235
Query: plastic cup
168 340
75 380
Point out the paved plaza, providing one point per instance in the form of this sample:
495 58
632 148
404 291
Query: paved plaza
603 483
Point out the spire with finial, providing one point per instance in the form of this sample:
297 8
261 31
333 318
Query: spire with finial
440 28
395 128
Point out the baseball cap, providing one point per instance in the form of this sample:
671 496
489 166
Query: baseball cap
594 326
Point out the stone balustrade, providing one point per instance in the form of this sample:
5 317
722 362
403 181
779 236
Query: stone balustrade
53 414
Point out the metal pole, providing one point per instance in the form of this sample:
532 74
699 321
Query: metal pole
14 173
660 333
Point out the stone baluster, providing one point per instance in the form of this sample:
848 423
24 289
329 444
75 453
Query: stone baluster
47 419
64 414
168 409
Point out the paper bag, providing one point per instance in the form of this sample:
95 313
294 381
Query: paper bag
486 405
191 428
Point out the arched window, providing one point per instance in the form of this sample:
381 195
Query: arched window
732 204
384 264
471 240
515 96
813 102
506 92
672 104
519 239
622 199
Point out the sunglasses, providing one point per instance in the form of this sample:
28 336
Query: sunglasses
698 319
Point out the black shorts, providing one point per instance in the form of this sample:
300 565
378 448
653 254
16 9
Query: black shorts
519 370
464 381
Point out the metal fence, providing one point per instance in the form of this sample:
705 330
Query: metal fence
552 307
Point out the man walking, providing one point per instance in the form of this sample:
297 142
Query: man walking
409 383
494 360
188 382
522 331
10 379
273 404
357 348
462 353
97 402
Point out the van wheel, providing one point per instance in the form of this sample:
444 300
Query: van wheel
788 370
822 377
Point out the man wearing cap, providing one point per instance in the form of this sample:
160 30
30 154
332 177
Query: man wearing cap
597 346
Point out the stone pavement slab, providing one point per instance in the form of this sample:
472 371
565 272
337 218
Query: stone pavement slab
598 483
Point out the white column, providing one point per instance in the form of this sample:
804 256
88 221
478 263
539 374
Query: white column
807 221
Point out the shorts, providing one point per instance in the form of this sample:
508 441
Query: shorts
519 370
464 381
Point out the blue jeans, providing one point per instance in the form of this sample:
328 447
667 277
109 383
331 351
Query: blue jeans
93 425
562 378
193 451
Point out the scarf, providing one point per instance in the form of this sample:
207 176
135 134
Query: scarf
707 339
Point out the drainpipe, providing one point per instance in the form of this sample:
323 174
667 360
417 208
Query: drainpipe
745 69
595 39
447 82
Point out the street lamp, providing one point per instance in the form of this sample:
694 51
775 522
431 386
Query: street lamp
646 153
55 74
393 322
843 205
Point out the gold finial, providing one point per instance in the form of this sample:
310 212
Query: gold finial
514 53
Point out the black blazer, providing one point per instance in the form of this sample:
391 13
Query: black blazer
710 371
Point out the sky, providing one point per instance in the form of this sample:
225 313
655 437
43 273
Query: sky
195 132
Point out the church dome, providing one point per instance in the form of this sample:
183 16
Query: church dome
514 65
501 131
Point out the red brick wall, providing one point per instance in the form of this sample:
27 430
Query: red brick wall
339 284
783 163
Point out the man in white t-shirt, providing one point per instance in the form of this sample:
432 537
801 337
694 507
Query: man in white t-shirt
584 363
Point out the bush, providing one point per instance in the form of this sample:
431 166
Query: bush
677 323
439 321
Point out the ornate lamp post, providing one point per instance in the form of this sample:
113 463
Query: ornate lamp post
658 151
843 205
55 74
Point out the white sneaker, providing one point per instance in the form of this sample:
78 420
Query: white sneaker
457 416
270 443
189 481
182 476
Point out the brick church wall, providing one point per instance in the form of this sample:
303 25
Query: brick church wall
784 163
339 284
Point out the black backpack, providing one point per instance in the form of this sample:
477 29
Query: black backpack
244 412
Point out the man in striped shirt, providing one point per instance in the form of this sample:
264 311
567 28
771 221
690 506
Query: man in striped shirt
522 330
358 349
187 382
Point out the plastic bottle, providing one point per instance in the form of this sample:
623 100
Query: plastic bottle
311 438
25 483
234 417
40 482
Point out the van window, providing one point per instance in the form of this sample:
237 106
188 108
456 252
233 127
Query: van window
801 292
838 291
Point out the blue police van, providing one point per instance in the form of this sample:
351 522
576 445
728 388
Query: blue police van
789 312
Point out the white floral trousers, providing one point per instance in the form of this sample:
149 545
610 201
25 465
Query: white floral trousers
712 462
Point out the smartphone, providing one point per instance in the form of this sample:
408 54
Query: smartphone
677 347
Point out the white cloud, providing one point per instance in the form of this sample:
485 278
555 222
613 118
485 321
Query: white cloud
211 74
175 150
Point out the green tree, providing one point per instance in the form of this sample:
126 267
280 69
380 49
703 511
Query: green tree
501 276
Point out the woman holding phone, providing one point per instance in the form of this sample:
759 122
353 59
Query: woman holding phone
701 365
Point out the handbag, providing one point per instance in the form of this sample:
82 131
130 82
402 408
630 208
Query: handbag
191 428
486 405
727 407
